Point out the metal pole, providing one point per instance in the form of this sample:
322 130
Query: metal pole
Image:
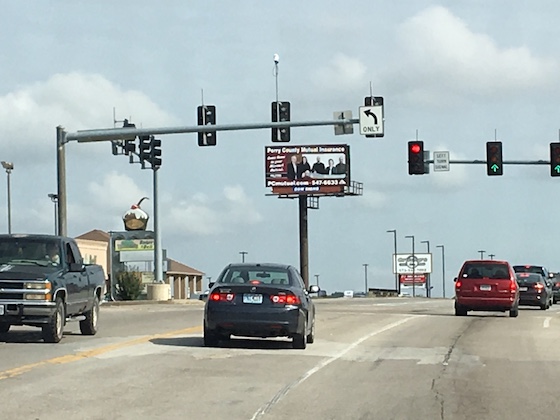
491 256
397 282
413 267
158 254
61 180
276 60
428 279
317 279
243 253
365 272
442 267
303 243
8 171
482 254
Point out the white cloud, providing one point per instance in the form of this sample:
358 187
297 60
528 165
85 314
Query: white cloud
440 53
341 73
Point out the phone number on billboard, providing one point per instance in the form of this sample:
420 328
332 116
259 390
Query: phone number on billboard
325 182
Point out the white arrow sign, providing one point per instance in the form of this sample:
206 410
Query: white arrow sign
371 120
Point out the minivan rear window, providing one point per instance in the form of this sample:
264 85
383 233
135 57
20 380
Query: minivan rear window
481 270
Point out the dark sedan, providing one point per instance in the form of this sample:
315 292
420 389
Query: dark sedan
260 300
534 290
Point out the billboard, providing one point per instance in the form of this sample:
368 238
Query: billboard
321 169
408 263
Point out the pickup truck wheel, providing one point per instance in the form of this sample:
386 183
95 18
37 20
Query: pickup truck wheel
88 326
53 331
4 327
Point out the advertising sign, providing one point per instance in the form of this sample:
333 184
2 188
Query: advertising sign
322 169
134 245
408 280
408 263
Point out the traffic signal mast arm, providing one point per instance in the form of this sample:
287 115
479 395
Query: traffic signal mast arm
108 134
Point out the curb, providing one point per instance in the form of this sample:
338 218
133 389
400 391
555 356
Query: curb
153 302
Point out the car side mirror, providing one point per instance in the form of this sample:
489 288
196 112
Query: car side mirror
455 279
210 284
313 289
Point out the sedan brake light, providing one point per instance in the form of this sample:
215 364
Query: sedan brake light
222 297
558 284
538 286
284 299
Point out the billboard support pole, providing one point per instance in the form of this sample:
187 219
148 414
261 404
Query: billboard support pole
303 240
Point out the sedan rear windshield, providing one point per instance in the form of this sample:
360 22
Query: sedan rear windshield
481 270
256 275
529 278
528 269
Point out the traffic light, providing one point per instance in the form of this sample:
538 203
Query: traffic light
207 115
129 147
494 164
144 149
416 158
155 152
281 112
554 159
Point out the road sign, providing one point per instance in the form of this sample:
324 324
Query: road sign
371 120
441 161
343 128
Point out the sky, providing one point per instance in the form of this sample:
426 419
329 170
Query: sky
454 74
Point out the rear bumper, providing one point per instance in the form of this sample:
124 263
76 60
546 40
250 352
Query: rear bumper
532 299
486 304
28 313
281 322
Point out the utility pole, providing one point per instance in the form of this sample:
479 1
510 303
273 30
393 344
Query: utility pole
243 253
365 274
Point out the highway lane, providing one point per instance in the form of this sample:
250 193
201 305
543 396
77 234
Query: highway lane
393 358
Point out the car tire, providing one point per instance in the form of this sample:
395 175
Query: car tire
514 312
4 327
299 341
88 326
54 330
311 335
460 310
211 339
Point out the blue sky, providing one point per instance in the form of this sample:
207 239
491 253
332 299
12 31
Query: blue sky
458 72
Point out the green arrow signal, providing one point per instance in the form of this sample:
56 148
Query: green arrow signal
557 169
495 167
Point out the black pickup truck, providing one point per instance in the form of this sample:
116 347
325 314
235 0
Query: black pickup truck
44 283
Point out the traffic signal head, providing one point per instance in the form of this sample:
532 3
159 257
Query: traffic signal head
281 112
144 148
554 159
416 158
494 163
155 152
207 116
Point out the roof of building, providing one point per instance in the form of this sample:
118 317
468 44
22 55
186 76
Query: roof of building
177 267
95 235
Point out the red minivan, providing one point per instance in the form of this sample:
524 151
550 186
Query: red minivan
486 285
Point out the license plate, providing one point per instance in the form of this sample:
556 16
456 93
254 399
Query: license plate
1 309
522 289
252 298
485 287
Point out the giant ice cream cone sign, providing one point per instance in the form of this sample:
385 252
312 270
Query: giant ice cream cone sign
136 218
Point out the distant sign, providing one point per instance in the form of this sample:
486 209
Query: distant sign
312 170
408 263
441 161
134 245
348 293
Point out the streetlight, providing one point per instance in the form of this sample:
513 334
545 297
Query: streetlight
482 254
397 283
54 199
442 266
317 279
243 253
9 167
413 267
365 272
428 280
491 256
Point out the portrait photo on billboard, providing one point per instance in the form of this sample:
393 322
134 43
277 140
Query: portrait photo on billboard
307 168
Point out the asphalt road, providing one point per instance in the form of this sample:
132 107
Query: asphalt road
393 358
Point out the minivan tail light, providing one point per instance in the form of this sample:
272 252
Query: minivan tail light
513 286
222 297
458 284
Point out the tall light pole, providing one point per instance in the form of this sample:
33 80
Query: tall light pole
442 266
317 279
481 254
491 256
413 267
428 280
397 283
365 273
54 199
9 167
243 253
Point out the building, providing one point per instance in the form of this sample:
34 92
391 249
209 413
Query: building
187 281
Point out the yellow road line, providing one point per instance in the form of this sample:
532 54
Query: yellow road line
94 352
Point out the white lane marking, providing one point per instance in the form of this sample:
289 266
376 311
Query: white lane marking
546 322
280 394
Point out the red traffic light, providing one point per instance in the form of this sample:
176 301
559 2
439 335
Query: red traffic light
415 148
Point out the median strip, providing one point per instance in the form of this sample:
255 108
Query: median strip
10 373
